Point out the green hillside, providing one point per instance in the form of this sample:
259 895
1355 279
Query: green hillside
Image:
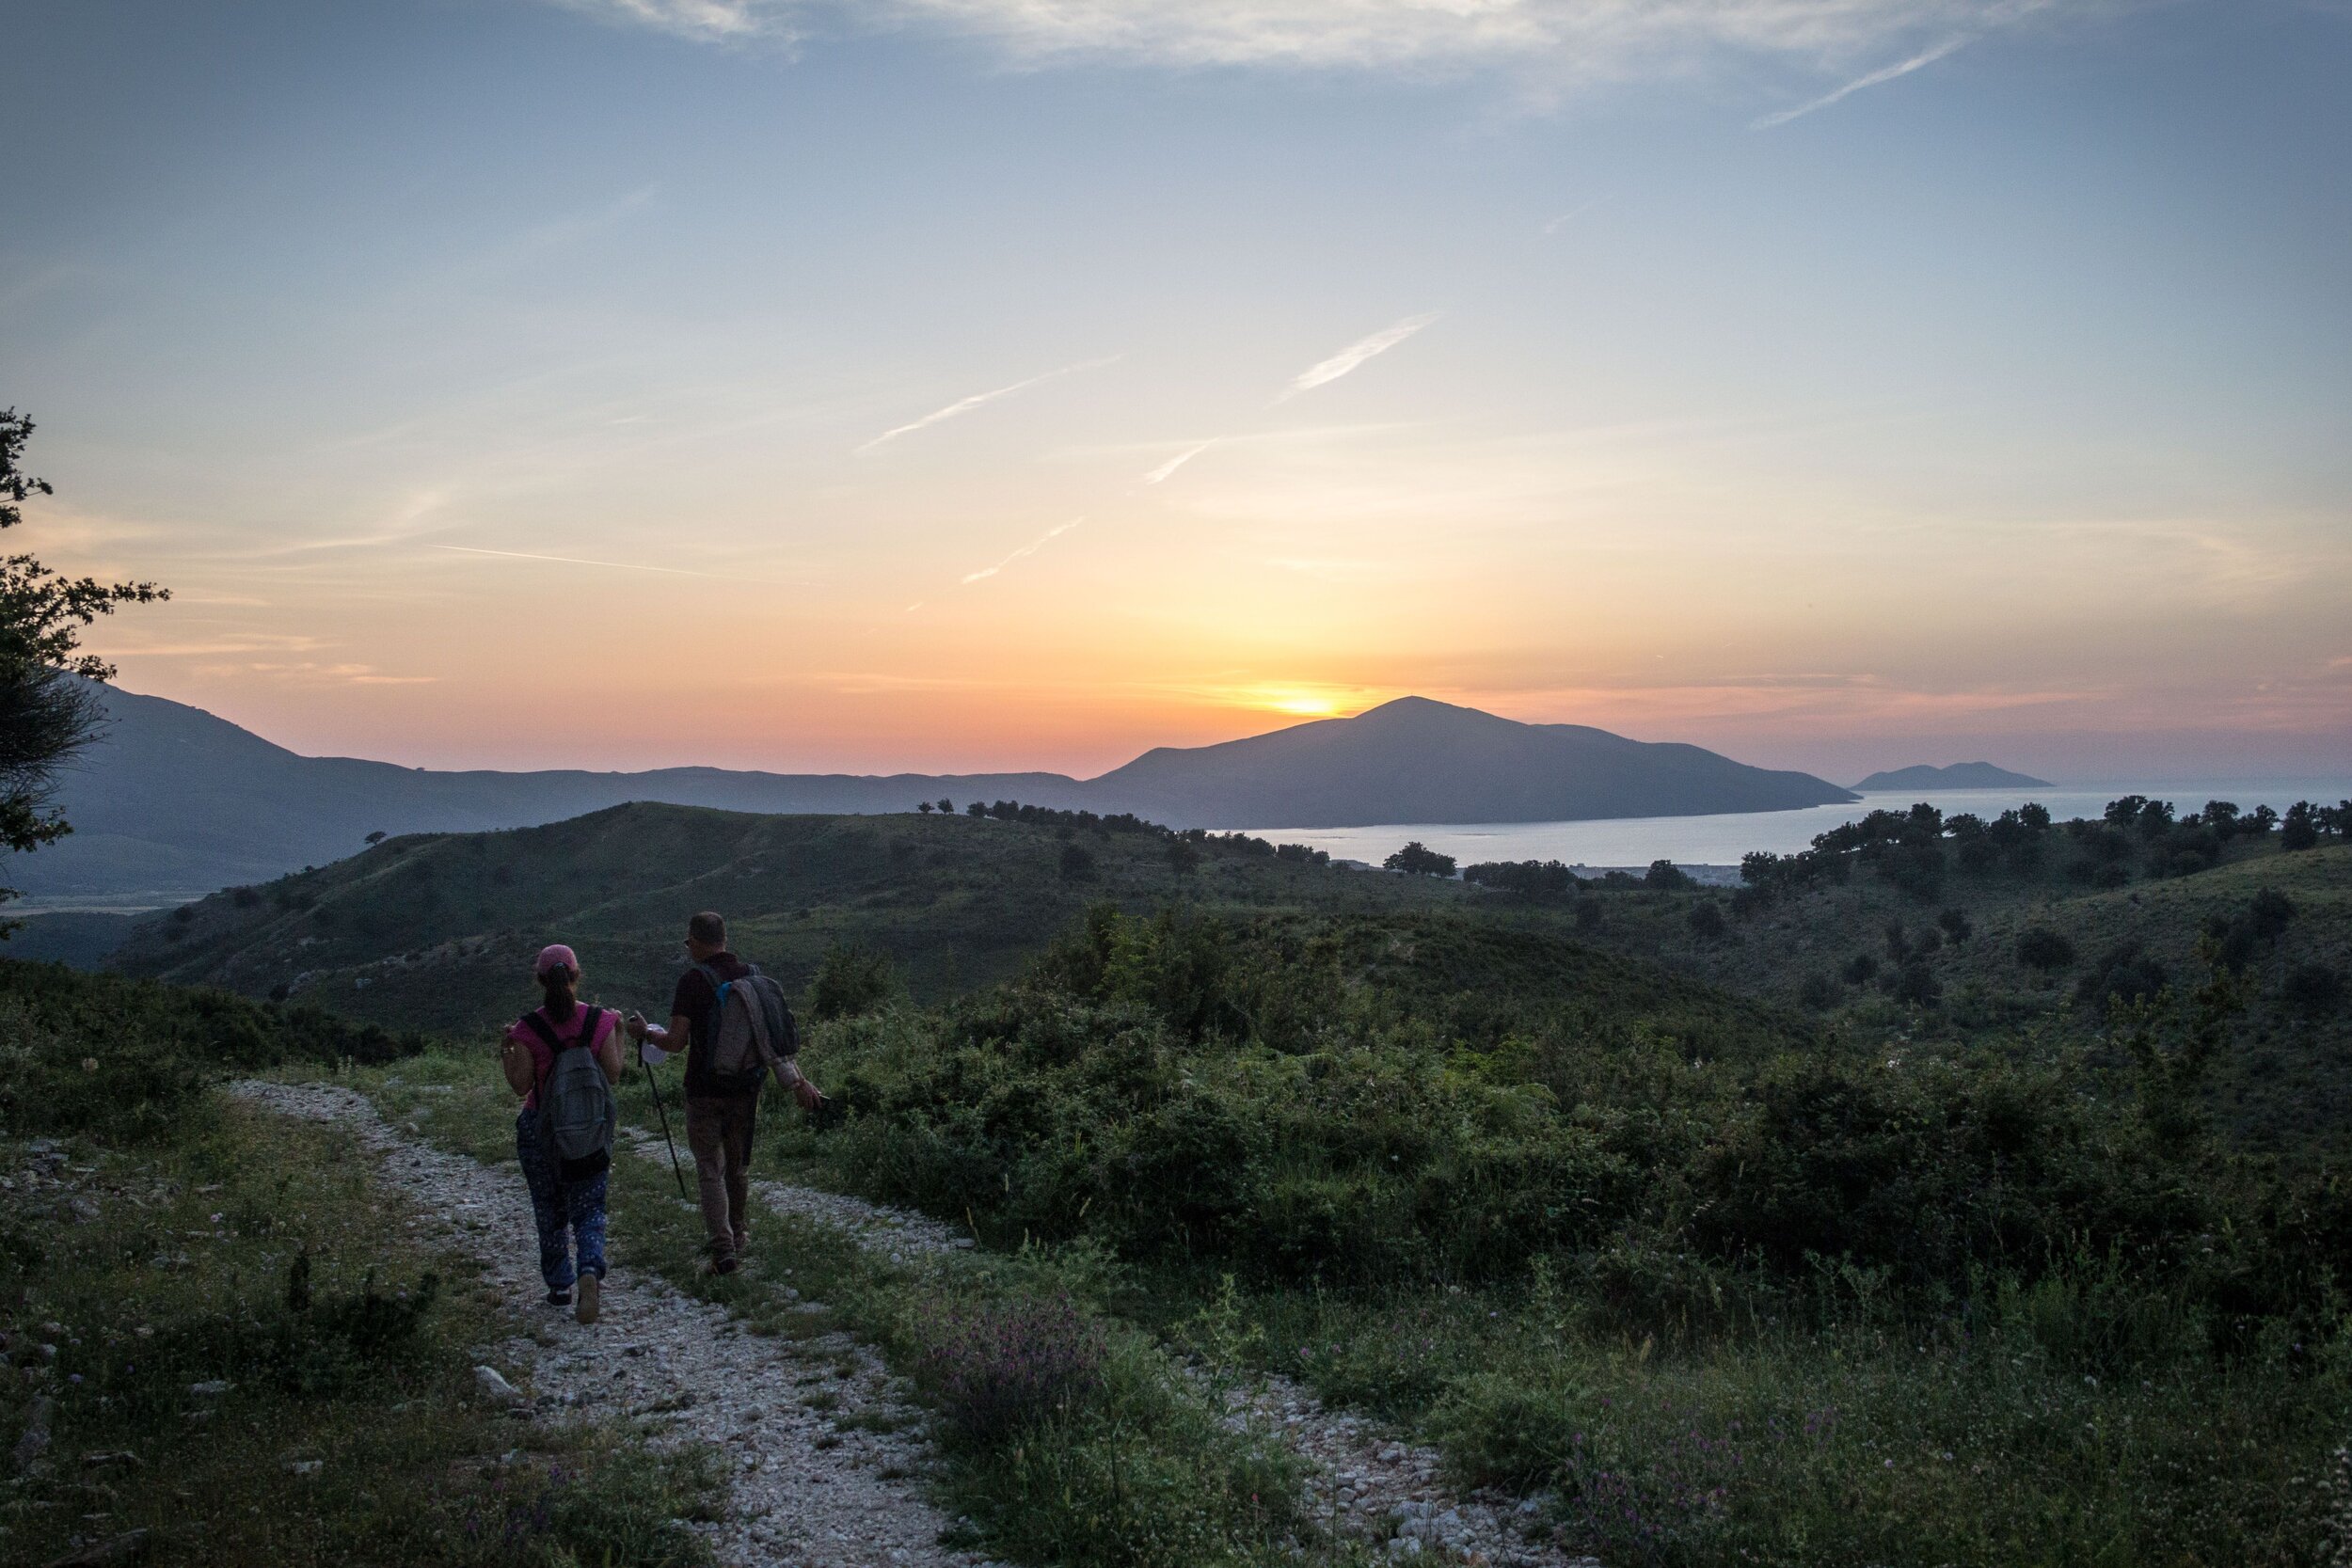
1828 948
435 932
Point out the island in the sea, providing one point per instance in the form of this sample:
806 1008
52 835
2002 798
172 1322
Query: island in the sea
1960 775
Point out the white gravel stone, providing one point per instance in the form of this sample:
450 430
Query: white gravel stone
796 1505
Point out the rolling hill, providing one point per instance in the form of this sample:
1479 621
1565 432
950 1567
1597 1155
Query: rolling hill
435 930
175 801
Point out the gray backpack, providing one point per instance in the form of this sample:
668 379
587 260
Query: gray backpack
576 1110
755 1029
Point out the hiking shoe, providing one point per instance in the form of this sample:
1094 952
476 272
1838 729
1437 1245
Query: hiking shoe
743 1243
591 1297
559 1298
725 1263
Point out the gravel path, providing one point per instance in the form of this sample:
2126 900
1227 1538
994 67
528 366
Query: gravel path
809 1492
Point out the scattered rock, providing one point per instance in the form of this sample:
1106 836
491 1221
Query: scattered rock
33 1441
120 1548
495 1388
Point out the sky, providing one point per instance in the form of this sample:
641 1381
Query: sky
961 384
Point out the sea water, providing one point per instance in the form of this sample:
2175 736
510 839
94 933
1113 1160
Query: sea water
1721 840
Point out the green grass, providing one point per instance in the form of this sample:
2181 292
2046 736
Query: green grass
248 1250
1625 1262
1129 1469
1867 1439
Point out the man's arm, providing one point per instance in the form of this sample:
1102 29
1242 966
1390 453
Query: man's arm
674 1038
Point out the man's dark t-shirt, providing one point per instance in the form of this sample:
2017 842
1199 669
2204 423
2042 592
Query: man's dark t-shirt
698 1001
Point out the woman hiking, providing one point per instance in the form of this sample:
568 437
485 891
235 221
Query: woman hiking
563 1133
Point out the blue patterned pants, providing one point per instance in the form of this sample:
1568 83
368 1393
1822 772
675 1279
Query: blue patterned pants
559 1205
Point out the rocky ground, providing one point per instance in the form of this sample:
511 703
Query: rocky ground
827 1448
816 1482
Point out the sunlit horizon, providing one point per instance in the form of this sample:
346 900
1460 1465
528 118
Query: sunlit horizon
629 385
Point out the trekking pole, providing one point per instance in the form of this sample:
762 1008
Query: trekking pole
655 1084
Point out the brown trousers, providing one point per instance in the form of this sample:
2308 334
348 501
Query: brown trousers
719 1130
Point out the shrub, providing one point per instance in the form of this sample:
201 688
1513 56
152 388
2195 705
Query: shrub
2314 987
1820 990
1706 921
997 1370
2039 947
1860 968
2124 972
850 980
1916 985
1077 863
1955 925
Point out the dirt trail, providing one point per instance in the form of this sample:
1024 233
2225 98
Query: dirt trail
808 1492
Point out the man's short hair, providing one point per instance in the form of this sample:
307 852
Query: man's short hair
709 928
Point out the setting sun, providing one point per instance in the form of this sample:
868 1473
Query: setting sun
1304 702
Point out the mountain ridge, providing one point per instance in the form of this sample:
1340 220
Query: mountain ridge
175 799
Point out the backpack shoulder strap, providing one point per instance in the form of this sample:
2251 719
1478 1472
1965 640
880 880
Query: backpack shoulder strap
592 1022
538 1024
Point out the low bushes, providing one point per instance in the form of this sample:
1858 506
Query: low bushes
126 1058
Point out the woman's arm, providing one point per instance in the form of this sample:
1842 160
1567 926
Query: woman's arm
608 1053
515 1060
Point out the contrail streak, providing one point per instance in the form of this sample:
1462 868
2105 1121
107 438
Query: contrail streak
965 405
1175 463
1353 354
1925 57
611 565
1031 549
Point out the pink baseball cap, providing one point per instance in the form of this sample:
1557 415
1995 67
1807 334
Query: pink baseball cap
552 955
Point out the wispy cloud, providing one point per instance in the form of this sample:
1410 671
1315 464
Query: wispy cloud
1029 549
1925 57
610 565
1160 474
965 405
717 21
1559 44
1355 355
1553 226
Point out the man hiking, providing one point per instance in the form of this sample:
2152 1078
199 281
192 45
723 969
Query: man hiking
564 1058
736 1030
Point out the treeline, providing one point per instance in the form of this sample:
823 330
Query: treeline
1127 822
1914 849
1552 879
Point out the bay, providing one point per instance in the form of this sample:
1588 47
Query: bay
1722 839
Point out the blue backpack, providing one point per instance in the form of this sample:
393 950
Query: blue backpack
577 1112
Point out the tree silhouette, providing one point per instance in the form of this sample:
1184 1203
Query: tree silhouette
48 712
1417 860
376 837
